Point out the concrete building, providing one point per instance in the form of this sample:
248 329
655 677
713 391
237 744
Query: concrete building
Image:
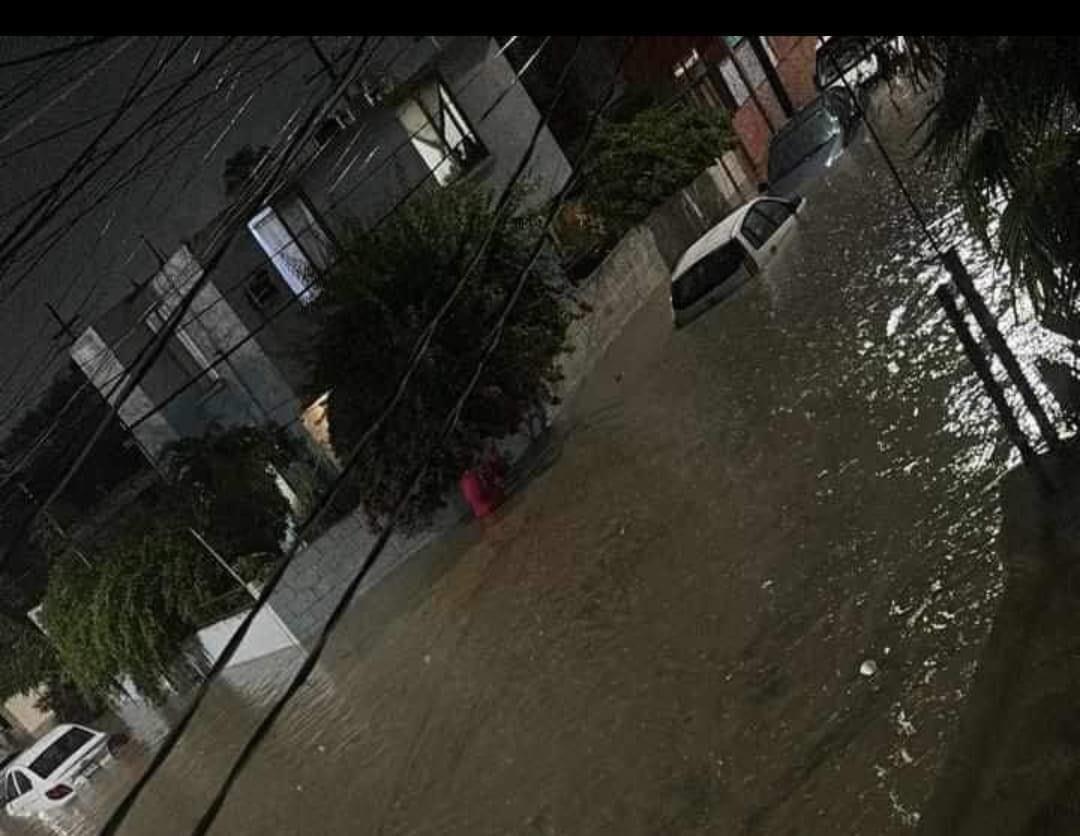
427 113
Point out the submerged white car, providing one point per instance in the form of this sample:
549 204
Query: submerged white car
44 776
726 256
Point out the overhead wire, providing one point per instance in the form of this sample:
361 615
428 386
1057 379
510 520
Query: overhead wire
450 422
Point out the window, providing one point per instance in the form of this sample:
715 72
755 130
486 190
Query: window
691 72
23 783
155 321
714 269
11 790
262 291
776 211
733 40
439 132
758 227
56 755
295 243
739 91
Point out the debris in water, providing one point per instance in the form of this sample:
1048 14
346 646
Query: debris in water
868 668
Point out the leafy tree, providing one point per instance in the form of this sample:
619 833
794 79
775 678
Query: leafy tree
385 286
224 482
130 608
638 164
1005 121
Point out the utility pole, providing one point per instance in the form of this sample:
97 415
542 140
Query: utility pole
947 298
66 329
757 43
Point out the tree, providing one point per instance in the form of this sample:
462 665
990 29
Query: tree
130 609
1005 121
384 287
638 164
223 481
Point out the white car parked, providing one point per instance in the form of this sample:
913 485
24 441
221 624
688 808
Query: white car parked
726 256
45 776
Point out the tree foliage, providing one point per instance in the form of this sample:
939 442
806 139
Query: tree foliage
130 609
1006 121
223 481
384 288
634 166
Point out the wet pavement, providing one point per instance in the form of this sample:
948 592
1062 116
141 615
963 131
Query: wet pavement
663 632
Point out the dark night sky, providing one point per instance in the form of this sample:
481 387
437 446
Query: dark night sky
92 263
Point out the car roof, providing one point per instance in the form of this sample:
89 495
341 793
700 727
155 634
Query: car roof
30 754
713 239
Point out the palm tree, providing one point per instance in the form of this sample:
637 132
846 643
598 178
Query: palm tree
1005 121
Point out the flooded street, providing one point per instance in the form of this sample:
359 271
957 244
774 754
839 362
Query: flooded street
662 634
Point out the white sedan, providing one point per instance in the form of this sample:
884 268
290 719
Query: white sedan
730 253
45 776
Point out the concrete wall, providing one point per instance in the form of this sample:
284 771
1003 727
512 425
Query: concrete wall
267 635
643 259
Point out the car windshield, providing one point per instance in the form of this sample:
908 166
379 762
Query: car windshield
713 269
791 147
67 745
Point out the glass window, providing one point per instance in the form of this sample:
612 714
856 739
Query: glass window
23 783
739 91
714 269
11 791
295 244
440 133
52 758
758 227
776 211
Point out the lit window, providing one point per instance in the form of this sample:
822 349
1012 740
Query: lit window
156 321
295 243
734 81
440 134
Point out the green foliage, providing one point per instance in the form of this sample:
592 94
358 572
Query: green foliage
222 481
385 286
130 609
112 460
29 659
634 166
1005 121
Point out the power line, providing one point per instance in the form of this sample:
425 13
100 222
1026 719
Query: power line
253 192
121 812
51 53
294 299
449 423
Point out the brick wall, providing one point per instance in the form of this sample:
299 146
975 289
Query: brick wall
795 65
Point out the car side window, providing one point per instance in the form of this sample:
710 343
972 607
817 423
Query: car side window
758 227
776 211
22 782
11 789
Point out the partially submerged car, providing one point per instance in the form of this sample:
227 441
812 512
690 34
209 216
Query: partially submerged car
811 141
859 60
46 775
726 256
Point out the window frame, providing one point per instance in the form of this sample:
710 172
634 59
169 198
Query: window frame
301 286
782 206
454 162
750 235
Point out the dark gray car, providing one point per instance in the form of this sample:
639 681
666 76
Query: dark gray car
811 141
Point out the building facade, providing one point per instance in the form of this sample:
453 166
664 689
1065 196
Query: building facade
428 113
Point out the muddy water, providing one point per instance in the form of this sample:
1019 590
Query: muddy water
663 632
